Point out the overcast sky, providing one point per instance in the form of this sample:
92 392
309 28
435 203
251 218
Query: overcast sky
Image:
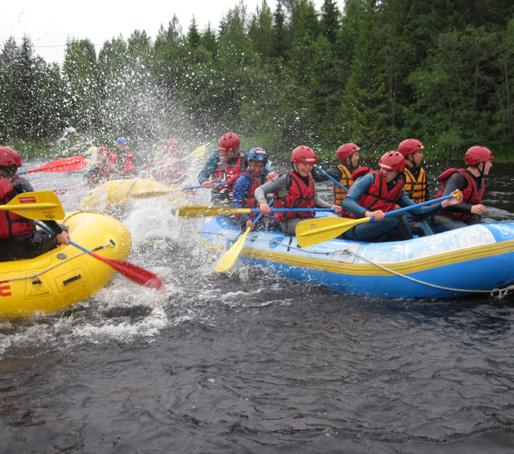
50 23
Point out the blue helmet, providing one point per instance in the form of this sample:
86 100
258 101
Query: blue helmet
258 154
121 140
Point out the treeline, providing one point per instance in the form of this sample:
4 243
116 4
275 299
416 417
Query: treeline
373 73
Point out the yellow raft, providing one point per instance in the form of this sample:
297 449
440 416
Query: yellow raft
118 195
65 275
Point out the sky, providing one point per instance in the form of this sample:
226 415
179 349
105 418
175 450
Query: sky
51 23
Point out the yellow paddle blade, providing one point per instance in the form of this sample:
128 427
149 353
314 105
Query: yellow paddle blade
194 211
228 259
318 230
42 205
199 152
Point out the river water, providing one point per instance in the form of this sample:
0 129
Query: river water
249 362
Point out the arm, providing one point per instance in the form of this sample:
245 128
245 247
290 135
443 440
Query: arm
358 189
457 181
241 188
208 169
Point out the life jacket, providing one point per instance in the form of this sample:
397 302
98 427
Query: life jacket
228 172
12 225
122 163
346 181
299 195
416 188
249 200
470 194
378 196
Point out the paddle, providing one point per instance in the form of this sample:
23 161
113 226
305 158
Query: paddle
59 165
193 211
228 259
314 231
330 177
199 152
133 272
42 205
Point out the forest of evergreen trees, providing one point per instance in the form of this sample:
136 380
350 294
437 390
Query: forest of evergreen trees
372 73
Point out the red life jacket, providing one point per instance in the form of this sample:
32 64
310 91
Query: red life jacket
228 172
378 196
121 164
249 200
12 225
470 194
300 195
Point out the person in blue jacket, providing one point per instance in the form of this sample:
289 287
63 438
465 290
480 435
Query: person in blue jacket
244 189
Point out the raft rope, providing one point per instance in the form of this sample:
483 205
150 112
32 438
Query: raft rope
498 293
37 275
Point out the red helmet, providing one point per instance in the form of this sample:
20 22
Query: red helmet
410 146
477 154
392 160
229 141
346 150
303 153
9 157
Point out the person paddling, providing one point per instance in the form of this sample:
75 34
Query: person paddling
244 189
19 238
471 181
376 192
415 176
294 189
348 156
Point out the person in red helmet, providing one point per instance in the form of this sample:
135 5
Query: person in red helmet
471 182
415 176
348 156
223 168
19 238
168 165
294 189
374 193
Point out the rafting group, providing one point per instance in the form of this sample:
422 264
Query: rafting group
247 181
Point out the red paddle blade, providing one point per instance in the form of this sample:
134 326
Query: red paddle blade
62 165
133 272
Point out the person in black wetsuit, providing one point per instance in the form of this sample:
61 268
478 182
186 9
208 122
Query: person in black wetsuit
471 182
19 238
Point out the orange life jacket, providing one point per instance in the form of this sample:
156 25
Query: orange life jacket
416 188
346 181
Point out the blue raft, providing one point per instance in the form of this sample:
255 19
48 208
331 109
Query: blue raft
474 259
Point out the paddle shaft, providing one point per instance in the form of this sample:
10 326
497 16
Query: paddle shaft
331 178
417 205
199 186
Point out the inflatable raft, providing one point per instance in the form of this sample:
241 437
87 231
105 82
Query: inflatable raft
65 275
473 259
118 195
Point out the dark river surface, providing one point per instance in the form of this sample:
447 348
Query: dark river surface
249 362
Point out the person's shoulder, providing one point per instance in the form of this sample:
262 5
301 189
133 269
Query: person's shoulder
21 184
